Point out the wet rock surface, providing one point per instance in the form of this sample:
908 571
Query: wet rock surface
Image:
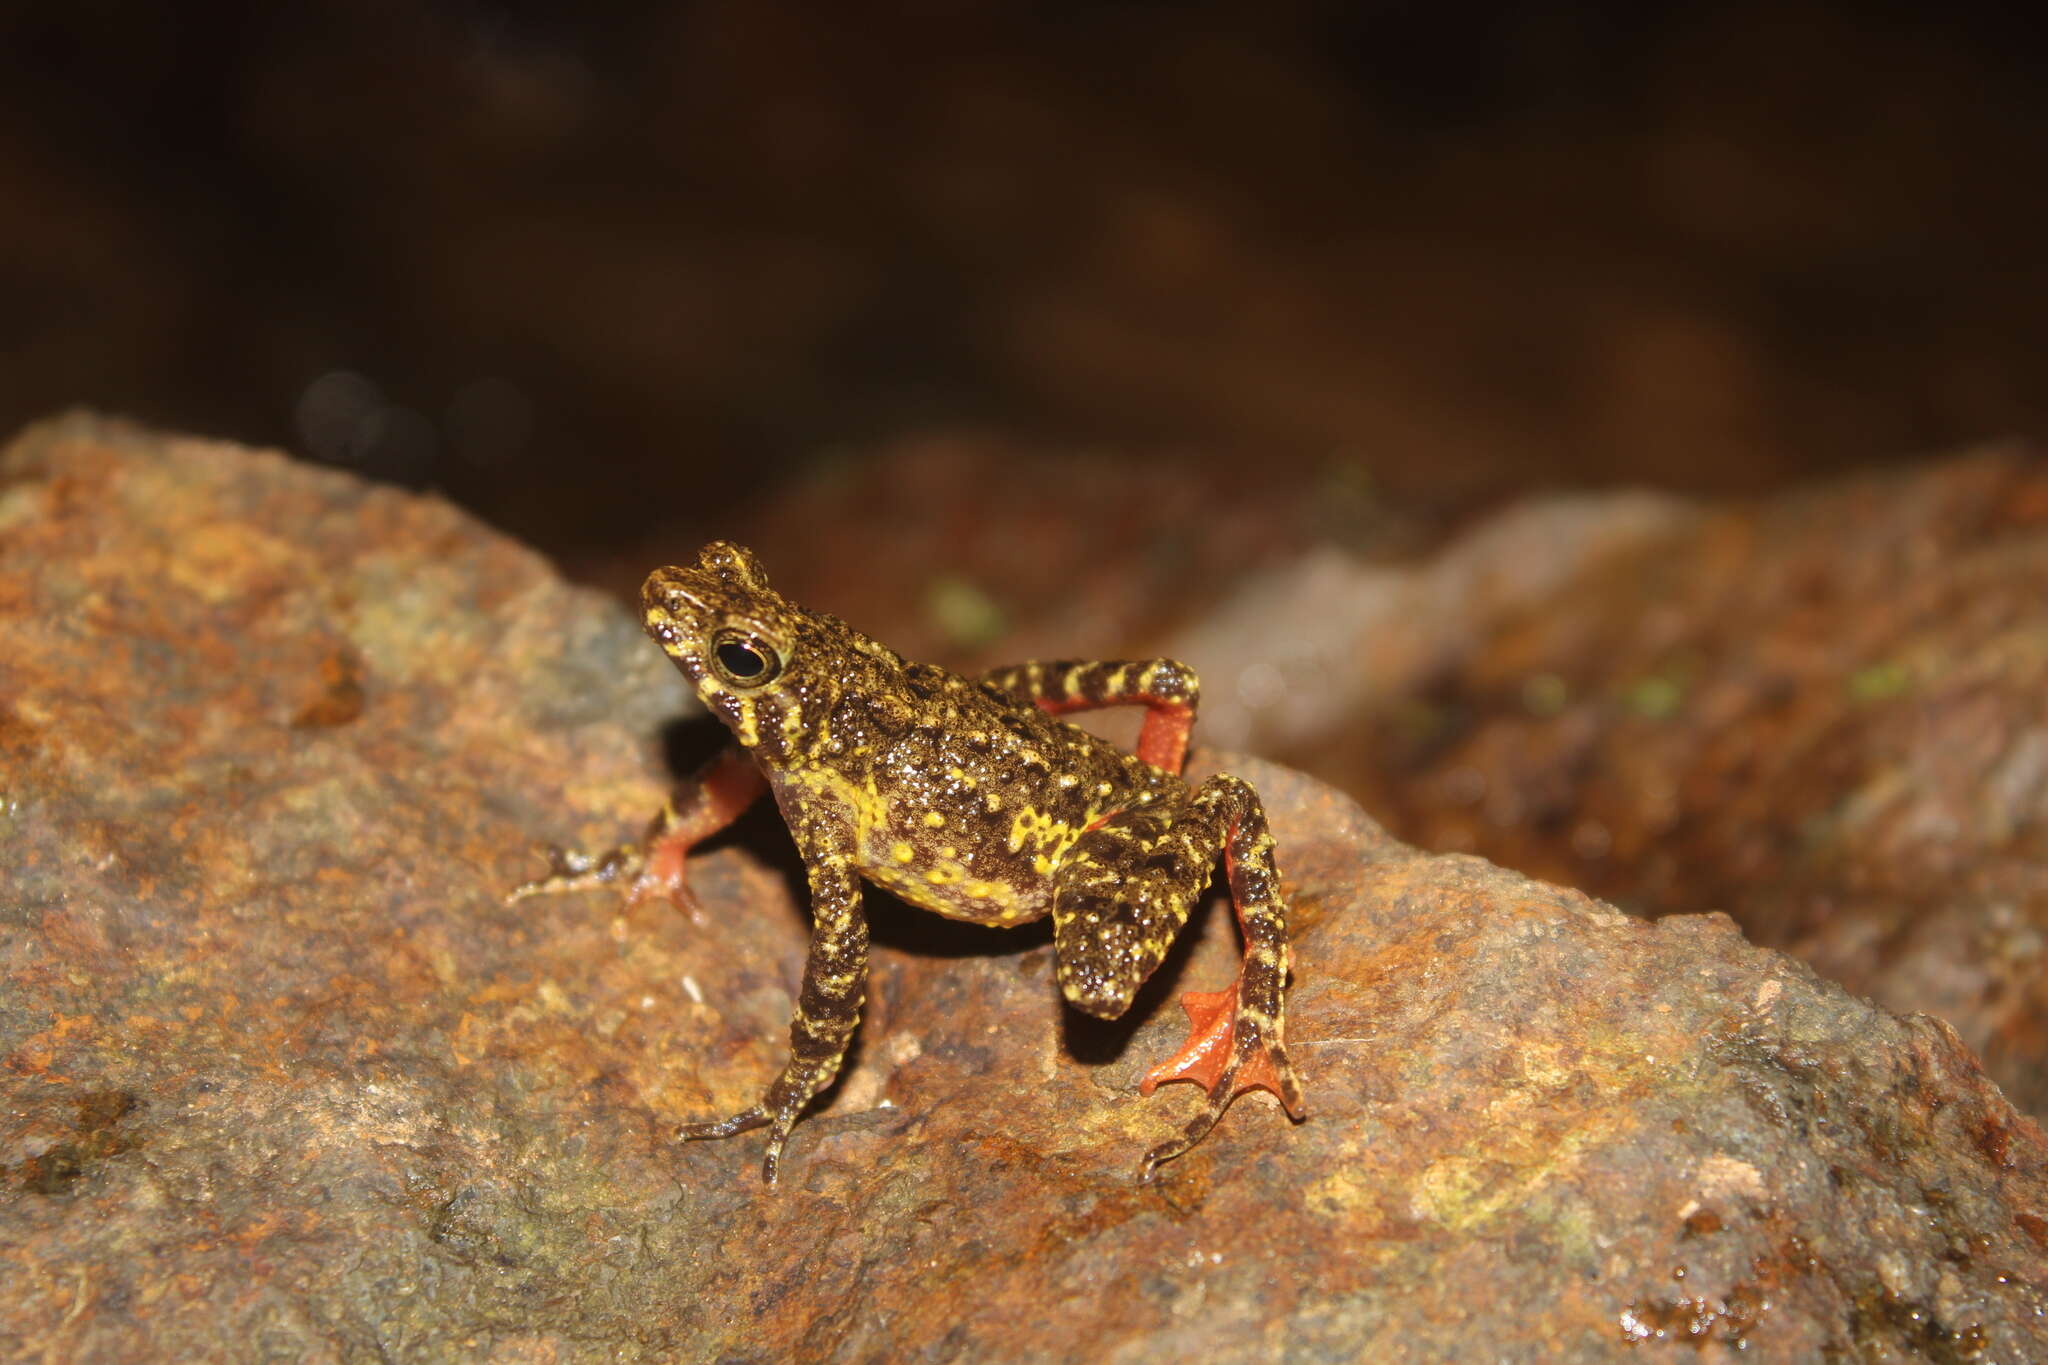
278 1068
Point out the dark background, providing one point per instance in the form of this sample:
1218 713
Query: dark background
612 274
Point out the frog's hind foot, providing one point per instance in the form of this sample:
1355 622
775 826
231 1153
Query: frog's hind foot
574 870
654 867
645 874
710 800
1230 1049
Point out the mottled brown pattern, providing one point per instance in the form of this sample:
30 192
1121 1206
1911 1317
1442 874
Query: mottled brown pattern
969 799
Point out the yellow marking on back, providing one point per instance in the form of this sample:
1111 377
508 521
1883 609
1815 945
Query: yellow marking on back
934 819
1049 838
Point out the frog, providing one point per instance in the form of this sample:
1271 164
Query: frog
971 798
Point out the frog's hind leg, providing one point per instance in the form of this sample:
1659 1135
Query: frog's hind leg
1238 1036
712 798
1124 891
1166 688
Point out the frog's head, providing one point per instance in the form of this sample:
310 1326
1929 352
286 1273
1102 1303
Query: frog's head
720 621
750 653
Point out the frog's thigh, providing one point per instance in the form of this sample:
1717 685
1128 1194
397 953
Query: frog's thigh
1121 894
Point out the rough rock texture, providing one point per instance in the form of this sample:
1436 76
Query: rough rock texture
279 1070
1826 714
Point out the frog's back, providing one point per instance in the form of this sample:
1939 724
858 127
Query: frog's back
970 803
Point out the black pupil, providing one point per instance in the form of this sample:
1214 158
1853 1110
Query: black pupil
742 661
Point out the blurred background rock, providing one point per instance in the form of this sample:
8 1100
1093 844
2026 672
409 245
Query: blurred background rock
610 275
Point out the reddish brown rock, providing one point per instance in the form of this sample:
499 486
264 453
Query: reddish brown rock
1826 714
279 1069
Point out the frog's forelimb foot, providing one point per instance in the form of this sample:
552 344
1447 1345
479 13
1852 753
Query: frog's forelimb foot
709 800
1166 688
827 1008
1124 892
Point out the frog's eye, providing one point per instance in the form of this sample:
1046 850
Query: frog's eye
745 660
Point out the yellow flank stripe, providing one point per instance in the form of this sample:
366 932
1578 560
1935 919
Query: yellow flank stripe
870 812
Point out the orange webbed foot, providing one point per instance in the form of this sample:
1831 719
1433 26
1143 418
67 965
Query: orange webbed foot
1226 1054
1211 1049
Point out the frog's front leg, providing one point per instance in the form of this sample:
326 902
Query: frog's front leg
709 800
827 1008
1166 688
1121 895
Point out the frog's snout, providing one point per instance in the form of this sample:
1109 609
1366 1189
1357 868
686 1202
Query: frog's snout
665 593
668 609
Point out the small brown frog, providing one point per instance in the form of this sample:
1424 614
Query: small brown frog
967 798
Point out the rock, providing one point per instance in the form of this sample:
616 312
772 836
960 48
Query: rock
280 1069
1826 713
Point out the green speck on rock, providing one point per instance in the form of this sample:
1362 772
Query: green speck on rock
1655 698
966 615
1879 682
1545 694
